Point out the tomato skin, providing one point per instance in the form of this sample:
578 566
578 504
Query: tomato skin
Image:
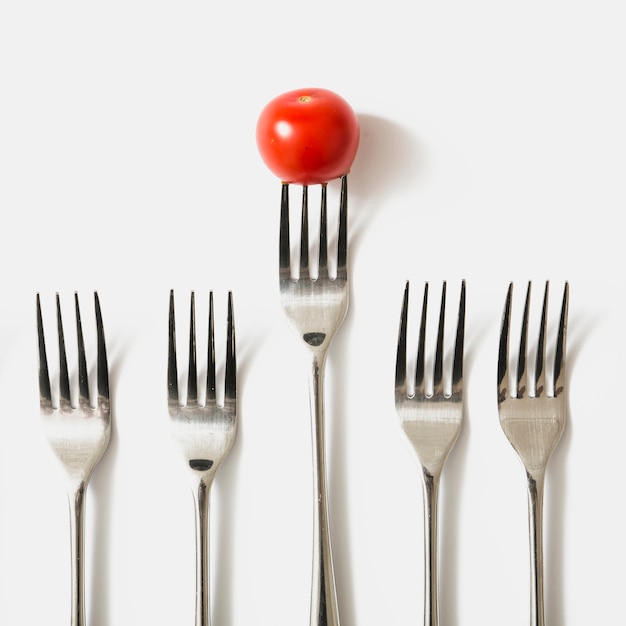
308 136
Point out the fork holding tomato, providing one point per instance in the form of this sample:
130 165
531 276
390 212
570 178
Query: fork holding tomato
307 137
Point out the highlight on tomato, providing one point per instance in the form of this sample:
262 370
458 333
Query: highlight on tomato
308 136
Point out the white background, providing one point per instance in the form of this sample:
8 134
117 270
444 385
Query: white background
492 150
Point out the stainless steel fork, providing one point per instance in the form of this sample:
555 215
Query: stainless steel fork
78 435
533 418
204 433
315 309
431 422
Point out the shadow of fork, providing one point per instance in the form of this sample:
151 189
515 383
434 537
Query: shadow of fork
337 479
452 481
223 578
101 506
556 481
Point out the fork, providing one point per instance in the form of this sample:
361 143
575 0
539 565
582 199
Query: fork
431 422
78 435
533 419
315 309
204 433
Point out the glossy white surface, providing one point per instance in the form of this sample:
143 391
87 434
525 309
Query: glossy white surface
492 150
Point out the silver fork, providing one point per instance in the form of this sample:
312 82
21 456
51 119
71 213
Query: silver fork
431 422
204 433
315 309
78 435
533 419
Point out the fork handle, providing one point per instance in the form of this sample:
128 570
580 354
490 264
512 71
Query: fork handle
431 497
201 499
76 499
535 524
324 609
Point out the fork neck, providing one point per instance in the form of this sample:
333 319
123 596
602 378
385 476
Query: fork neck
76 500
431 574
324 607
201 492
316 346
535 524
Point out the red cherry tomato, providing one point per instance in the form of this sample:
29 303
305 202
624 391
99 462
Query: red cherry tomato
308 136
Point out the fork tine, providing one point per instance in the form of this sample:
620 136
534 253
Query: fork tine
172 368
323 247
559 357
45 395
230 378
103 368
457 363
420 388
438 371
83 381
64 379
522 376
192 376
342 240
503 350
304 234
401 386
540 370
210 376
284 243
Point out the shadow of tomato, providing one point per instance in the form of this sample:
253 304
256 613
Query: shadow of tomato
389 158
388 153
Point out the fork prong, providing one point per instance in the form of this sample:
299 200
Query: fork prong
45 395
192 374
103 368
457 363
522 374
559 356
540 370
172 368
503 350
304 234
342 239
83 381
323 247
420 367
438 365
210 376
401 384
65 401
284 241
230 378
